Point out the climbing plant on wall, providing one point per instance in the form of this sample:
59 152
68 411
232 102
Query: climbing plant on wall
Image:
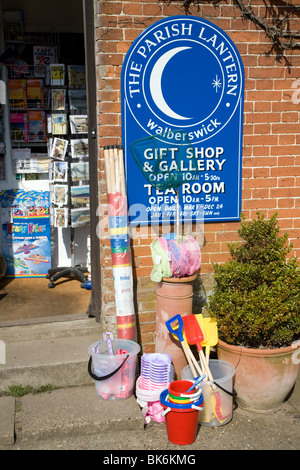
276 22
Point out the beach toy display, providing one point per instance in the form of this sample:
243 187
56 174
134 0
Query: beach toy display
112 365
190 330
157 371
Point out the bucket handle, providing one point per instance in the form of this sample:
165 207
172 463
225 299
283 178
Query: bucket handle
200 408
95 377
232 394
163 413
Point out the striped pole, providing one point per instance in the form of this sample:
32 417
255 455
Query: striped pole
119 241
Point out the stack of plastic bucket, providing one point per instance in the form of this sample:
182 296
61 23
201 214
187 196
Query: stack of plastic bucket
181 418
218 395
157 371
114 374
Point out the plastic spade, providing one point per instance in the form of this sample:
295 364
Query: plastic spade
196 364
200 320
195 336
179 333
107 336
211 329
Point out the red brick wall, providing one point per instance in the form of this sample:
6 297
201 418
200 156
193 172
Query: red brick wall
271 150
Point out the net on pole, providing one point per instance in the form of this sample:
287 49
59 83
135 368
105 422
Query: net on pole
165 165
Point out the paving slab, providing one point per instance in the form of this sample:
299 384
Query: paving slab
77 411
7 420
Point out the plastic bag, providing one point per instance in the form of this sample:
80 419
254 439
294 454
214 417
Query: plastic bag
162 268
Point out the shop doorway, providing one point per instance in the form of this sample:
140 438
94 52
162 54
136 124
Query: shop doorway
61 26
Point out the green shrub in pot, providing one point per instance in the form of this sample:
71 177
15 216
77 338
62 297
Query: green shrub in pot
256 299
256 303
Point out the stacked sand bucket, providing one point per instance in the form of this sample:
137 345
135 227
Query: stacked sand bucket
182 393
157 371
181 404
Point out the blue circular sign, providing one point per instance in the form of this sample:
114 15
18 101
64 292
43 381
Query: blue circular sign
183 73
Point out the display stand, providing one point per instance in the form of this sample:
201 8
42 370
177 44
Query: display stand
74 270
72 173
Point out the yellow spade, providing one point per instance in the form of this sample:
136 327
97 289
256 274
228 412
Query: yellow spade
211 329
200 320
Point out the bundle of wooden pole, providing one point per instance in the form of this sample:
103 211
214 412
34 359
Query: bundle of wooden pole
119 240
114 164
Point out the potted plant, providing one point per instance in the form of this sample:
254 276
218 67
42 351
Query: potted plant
256 303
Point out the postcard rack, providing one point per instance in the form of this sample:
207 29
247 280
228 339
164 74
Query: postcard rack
69 168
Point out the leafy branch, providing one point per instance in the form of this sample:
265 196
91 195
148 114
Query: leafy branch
277 29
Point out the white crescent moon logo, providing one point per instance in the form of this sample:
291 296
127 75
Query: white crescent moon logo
156 86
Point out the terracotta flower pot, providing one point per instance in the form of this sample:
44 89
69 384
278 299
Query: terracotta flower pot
264 377
173 296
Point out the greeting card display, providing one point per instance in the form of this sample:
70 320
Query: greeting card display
79 124
79 148
59 171
59 148
59 124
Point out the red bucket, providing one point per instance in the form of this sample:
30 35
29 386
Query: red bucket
179 387
181 420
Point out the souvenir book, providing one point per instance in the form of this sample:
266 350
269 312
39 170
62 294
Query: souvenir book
35 93
17 93
37 126
19 127
57 74
43 56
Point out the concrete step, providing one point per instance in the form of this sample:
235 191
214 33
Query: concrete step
54 353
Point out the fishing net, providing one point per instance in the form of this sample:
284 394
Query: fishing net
165 164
